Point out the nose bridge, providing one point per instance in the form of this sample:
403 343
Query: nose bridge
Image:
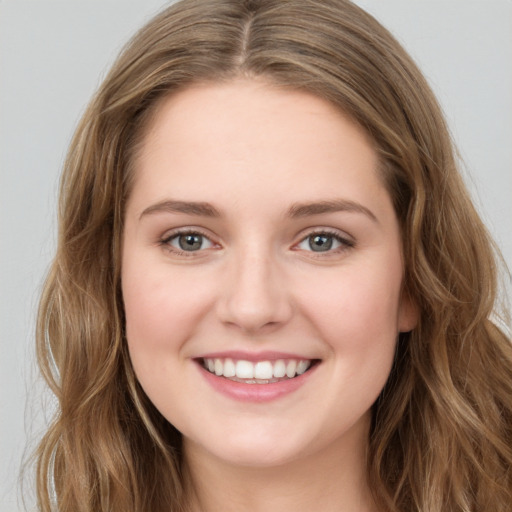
255 295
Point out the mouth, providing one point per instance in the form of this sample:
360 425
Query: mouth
257 372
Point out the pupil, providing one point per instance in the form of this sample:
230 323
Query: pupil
320 243
190 242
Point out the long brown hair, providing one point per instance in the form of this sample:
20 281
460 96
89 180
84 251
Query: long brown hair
441 437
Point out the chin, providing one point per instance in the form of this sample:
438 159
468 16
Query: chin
251 449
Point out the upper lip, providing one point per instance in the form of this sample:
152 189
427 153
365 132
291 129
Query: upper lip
265 355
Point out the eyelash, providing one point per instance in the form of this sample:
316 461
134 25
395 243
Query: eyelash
166 242
345 243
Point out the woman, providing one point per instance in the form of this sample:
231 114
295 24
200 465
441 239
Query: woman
271 288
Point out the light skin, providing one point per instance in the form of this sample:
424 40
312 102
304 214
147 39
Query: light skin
293 248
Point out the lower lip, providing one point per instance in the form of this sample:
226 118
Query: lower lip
255 392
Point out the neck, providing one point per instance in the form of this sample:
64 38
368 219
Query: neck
333 480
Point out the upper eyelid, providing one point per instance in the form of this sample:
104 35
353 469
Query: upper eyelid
170 234
337 233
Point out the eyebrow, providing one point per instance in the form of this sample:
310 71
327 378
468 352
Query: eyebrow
188 207
336 205
297 210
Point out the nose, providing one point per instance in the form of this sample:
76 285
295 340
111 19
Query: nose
254 297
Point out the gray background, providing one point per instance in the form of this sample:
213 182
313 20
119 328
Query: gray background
52 57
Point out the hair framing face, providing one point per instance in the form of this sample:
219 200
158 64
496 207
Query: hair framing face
441 430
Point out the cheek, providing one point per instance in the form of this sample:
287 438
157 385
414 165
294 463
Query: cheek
148 310
356 315
161 307
356 310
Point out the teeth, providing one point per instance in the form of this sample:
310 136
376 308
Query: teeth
263 370
244 369
290 368
229 368
302 366
279 368
259 372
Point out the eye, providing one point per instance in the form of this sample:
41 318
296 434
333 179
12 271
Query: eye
324 242
188 242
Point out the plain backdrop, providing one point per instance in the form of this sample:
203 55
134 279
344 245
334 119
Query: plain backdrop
53 54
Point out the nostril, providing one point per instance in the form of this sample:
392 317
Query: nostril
254 315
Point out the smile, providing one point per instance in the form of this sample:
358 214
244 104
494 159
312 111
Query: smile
258 372
256 378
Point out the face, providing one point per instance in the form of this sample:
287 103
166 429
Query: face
261 273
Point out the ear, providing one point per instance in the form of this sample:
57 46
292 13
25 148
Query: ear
408 313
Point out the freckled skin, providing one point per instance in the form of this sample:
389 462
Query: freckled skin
252 151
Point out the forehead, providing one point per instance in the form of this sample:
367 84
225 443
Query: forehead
239 135
254 108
